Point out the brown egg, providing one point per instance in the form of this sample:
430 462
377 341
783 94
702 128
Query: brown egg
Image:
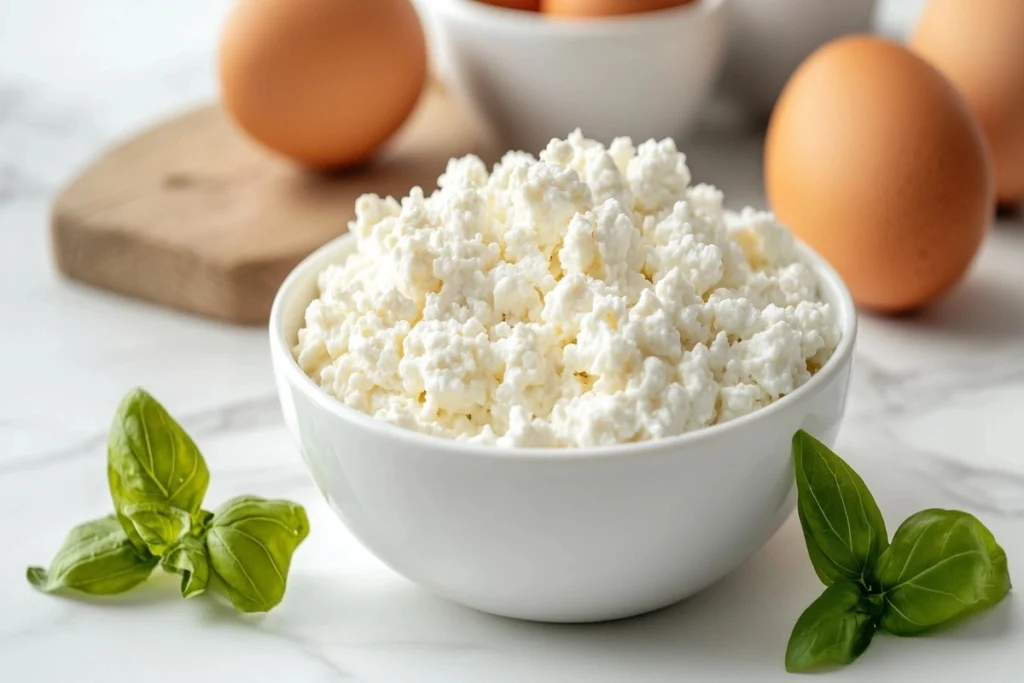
324 82
605 8
525 5
979 45
875 160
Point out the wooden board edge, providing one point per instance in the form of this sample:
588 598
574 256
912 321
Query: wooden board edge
232 301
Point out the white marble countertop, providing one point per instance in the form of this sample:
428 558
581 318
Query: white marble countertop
936 418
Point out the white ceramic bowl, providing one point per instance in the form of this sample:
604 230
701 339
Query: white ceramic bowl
533 78
769 38
555 535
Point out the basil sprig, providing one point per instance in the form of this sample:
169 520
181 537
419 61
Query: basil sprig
158 479
942 565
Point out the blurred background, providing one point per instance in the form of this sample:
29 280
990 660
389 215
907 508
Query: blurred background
77 77
80 48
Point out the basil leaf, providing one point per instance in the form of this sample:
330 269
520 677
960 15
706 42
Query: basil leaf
150 459
159 526
942 565
819 561
250 544
201 522
97 558
188 558
998 584
842 525
834 630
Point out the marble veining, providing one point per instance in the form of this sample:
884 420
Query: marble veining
935 418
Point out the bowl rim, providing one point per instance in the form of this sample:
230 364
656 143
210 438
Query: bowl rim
504 18
287 368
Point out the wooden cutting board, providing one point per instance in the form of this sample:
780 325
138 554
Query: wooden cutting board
192 215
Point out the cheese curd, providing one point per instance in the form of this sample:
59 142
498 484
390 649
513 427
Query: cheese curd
592 296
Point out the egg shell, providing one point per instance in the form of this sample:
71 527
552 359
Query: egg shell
323 82
875 160
979 45
524 5
605 8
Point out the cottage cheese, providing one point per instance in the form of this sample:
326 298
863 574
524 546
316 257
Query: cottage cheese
591 296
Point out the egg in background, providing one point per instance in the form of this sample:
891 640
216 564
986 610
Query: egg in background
979 45
322 82
874 159
605 8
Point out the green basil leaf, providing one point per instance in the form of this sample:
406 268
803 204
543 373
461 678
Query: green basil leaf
159 526
998 584
942 565
151 460
188 559
97 558
842 525
820 562
834 630
250 544
201 522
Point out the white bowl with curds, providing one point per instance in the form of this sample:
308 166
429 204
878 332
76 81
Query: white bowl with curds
533 77
571 535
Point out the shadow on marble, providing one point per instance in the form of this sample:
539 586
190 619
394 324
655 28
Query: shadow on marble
985 307
745 619
996 623
1010 216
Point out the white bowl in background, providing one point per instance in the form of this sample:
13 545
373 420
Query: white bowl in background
768 39
436 56
570 535
532 77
